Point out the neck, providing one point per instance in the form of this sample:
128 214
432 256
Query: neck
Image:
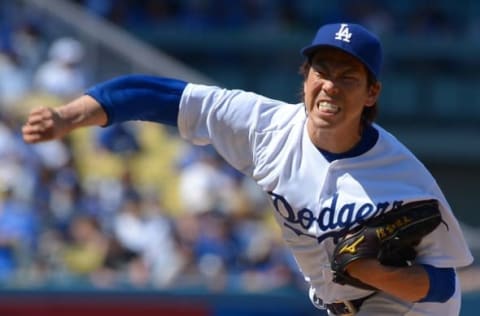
333 140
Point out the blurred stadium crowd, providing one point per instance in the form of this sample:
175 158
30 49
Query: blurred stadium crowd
412 18
59 227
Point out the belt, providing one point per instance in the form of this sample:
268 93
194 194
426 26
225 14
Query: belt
346 308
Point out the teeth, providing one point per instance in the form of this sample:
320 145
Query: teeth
328 106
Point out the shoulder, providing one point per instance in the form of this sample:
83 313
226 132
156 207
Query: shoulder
389 142
239 107
393 155
217 95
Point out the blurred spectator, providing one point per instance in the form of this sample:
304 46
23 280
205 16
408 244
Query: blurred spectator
53 155
108 195
227 14
262 261
121 139
186 232
66 198
164 259
204 185
430 20
374 15
86 250
62 74
18 234
14 81
215 249
29 44
18 168
195 14
53 194
100 7
142 228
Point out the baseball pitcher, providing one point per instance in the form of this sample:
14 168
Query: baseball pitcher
367 223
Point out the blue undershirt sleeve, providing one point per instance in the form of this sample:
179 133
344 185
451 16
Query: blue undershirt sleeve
139 97
442 284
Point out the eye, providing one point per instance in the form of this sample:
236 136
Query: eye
319 72
349 78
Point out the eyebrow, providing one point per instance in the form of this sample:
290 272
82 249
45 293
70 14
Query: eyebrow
342 66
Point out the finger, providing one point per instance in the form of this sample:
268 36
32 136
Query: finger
39 116
34 119
31 134
37 127
31 139
34 139
29 129
36 134
38 110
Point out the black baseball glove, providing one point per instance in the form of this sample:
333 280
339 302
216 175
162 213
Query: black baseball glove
391 238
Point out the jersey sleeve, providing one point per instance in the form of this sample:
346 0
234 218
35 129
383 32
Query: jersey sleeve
227 119
446 245
139 97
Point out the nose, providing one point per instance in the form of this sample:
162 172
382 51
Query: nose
329 87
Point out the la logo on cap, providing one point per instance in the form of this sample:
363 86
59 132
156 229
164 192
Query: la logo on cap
343 33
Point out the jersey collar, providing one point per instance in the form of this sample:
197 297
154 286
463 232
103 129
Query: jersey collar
368 140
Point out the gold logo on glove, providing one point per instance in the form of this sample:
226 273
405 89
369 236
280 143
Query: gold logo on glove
353 247
390 229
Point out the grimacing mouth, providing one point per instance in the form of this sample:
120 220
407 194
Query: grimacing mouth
327 106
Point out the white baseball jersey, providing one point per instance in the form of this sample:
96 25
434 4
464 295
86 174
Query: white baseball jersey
316 200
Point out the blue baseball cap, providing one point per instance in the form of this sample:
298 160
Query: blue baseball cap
351 38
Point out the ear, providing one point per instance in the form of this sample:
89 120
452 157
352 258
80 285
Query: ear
373 93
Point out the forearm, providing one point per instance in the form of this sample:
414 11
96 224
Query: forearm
407 283
122 99
81 112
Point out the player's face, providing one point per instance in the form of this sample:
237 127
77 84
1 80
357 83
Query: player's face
336 91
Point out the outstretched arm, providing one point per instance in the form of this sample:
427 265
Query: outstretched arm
45 124
133 97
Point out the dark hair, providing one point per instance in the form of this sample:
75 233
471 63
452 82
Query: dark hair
369 113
